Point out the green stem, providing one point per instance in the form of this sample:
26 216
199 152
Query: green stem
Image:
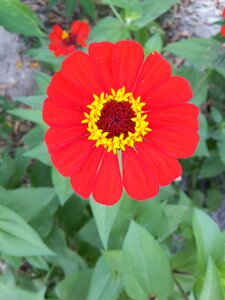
116 13
47 276
182 292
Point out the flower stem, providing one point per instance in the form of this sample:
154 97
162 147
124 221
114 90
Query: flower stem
116 13
183 294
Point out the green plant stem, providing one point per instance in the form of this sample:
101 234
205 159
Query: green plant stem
116 13
183 294
47 276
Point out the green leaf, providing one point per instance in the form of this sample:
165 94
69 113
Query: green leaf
198 81
221 145
40 153
104 217
201 52
27 202
109 29
133 5
37 262
42 80
74 286
67 259
33 101
17 238
152 10
145 266
8 292
43 54
202 149
154 43
209 239
17 17
89 8
212 286
28 114
89 234
69 8
104 283
62 186
211 167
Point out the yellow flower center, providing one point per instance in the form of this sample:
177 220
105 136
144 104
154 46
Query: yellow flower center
65 35
116 120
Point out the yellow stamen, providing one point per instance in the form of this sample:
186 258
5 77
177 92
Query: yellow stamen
117 142
65 35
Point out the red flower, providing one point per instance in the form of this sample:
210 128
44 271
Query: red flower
118 121
222 31
223 13
64 43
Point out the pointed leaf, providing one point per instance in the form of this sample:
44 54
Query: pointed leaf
146 270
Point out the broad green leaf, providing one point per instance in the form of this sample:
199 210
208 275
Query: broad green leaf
43 54
17 17
152 9
209 239
28 114
104 217
38 262
154 43
74 286
201 52
40 153
69 8
145 266
65 258
27 202
212 286
221 145
89 233
62 186
8 292
212 166
109 29
198 82
89 8
34 101
104 284
202 149
17 238
42 80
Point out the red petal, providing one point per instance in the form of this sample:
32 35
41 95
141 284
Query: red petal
57 138
223 30
70 95
57 29
175 142
127 59
101 58
77 69
55 114
82 181
165 168
72 157
223 13
139 182
175 91
108 188
55 37
82 31
182 116
155 70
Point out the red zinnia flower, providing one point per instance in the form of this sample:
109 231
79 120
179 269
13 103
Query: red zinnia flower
223 13
64 43
119 121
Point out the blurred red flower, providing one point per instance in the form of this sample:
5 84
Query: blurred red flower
119 121
222 31
64 43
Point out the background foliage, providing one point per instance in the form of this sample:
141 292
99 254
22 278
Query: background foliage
56 246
